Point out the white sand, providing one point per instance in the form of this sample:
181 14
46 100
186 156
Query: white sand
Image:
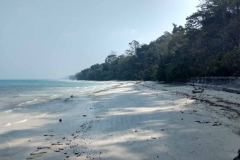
131 121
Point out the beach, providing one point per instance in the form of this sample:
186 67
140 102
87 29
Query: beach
130 120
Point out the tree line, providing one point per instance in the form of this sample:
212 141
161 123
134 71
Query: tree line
208 45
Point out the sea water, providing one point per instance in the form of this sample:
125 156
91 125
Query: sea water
21 99
31 108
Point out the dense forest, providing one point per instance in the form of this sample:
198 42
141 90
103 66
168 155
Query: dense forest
208 45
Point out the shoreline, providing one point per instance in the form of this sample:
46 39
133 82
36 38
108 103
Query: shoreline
134 121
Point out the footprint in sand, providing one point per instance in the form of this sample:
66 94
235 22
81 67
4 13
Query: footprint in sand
43 147
48 135
58 143
35 154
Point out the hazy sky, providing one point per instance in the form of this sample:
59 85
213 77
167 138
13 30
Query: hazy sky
49 39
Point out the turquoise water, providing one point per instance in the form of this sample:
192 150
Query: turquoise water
19 93
29 103
23 100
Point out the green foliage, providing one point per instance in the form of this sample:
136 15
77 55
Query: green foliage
208 45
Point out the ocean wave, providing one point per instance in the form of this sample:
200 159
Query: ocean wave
21 121
27 102
7 111
8 124
54 96
11 110
17 108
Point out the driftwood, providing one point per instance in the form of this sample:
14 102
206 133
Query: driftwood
137 82
201 90
231 90
214 79
197 89
225 106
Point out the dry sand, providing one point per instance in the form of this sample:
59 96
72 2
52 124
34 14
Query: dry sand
133 121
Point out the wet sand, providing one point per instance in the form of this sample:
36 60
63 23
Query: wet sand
132 121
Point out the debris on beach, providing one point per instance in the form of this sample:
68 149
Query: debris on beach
238 157
48 135
202 121
67 100
197 89
43 147
58 143
217 124
81 141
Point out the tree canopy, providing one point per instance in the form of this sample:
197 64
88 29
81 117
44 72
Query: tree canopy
208 45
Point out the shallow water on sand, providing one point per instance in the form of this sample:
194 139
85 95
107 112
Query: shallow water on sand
31 108
22 99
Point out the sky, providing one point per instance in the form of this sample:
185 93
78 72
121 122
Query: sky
51 39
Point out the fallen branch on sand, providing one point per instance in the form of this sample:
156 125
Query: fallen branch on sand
197 89
225 107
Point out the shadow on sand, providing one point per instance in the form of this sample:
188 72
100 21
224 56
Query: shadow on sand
132 123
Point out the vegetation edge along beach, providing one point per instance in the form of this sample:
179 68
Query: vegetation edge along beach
208 45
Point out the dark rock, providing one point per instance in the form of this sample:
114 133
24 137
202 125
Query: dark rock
217 124
60 120
202 121
238 157
71 96
198 91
